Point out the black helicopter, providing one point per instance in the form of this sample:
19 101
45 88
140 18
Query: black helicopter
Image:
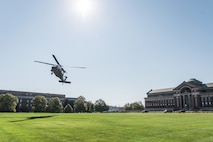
58 70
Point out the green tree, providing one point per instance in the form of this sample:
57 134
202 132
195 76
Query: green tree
136 106
101 106
55 105
89 106
39 104
68 108
127 107
79 105
8 103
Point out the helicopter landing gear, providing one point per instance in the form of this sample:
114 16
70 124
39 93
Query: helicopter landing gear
64 81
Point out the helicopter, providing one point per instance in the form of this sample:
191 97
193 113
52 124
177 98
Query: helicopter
58 70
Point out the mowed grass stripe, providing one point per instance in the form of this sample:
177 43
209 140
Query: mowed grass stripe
11 131
116 127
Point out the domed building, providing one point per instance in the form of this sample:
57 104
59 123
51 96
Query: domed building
192 95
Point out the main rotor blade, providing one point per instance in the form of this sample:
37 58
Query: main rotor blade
44 63
56 60
79 67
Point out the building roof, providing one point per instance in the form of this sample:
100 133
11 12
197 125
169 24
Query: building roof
160 90
192 83
209 84
25 93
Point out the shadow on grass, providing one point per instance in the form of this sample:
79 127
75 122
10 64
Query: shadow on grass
37 117
33 117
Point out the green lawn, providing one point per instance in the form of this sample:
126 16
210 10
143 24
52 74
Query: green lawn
108 127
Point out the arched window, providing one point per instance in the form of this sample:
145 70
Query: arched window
186 90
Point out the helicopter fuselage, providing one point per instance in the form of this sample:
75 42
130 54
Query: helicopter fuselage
57 70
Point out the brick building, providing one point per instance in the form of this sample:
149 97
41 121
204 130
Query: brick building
190 95
25 98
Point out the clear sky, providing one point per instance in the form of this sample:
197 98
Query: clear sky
128 46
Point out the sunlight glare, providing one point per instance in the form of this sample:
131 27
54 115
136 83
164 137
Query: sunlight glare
85 7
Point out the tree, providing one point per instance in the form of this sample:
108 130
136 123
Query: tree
136 106
68 108
55 105
101 106
127 106
8 103
89 106
79 105
39 104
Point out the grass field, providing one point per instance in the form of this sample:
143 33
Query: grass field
106 127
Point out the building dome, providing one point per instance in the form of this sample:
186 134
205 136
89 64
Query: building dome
192 79
195 81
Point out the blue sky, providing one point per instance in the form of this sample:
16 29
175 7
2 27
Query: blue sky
128 46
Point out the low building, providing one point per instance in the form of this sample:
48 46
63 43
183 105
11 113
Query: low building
191 95
25 98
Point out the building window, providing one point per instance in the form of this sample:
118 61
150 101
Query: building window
186 90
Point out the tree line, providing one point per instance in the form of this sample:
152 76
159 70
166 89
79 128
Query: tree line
8 103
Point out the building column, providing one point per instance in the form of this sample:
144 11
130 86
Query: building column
196 101
193 103
202 101
176 101
190 101
184 101
199 101
181 101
